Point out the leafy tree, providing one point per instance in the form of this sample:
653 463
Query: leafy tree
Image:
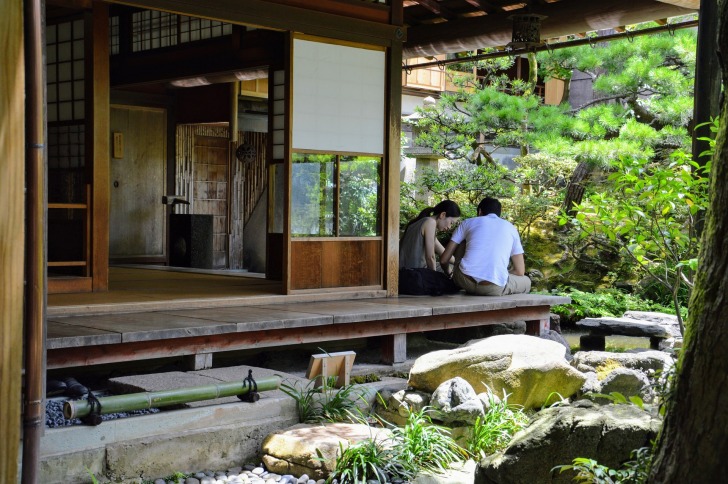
642 108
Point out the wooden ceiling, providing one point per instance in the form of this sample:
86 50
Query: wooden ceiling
449 26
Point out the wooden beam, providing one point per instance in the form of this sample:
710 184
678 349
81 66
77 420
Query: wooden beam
269 15
115 353
437 8
214 56
375 12
563 18
487 7
97 140
12 235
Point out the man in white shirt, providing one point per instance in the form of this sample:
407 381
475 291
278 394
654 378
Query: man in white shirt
490 242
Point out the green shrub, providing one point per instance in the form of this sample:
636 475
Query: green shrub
605 302
634 471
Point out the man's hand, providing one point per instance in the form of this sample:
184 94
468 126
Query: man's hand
446 256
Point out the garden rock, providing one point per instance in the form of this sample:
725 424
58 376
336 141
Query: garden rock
552 335
605 433
296 450
456 401
626 381
398 405
643 360
527 368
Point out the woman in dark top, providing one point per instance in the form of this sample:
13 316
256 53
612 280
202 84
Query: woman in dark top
419 247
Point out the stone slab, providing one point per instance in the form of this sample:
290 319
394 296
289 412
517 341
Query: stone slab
623 326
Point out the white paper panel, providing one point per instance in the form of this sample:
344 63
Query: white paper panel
338 100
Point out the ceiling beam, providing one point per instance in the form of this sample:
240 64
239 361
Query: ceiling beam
438 9
563 18
485 6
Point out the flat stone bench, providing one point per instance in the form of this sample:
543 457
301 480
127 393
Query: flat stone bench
198 333
599 328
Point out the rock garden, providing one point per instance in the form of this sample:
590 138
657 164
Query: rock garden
509 408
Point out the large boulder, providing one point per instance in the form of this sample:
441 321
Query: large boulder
527 368
312 449
557 435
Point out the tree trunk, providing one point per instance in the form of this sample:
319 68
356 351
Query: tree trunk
693 446
575 189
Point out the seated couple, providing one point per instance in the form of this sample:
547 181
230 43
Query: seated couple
480 249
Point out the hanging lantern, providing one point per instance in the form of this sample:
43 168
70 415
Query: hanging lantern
526 30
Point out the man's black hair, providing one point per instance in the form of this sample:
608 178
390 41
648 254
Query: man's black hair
489 205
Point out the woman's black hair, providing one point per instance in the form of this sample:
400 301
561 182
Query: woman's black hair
450 208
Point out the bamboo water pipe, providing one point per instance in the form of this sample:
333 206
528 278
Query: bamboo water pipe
164 398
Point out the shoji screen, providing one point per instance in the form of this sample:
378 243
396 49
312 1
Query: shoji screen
338 100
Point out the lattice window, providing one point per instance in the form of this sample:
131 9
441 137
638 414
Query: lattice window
152 29
192 29
114 45
66 146
65 71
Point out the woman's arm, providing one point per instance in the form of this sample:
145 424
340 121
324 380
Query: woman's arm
428 233
447 255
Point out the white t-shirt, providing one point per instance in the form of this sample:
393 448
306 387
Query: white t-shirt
490 243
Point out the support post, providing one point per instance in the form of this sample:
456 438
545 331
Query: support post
537 327
394 348
200 361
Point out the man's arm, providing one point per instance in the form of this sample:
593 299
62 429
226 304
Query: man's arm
445 257
519 265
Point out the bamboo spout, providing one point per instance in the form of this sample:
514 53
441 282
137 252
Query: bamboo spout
164 398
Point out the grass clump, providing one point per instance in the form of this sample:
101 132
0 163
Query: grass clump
492 432
418 446
325 403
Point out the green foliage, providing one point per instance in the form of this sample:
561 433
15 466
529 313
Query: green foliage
323 404
494 430
422 445
604 302
418 446
634 471
365 461
650 212
619 399
93 477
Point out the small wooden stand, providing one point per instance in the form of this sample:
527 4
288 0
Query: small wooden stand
327 365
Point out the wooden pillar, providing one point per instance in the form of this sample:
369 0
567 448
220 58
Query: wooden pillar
391 167
394 348
707 77
97 139
537 327
12 235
